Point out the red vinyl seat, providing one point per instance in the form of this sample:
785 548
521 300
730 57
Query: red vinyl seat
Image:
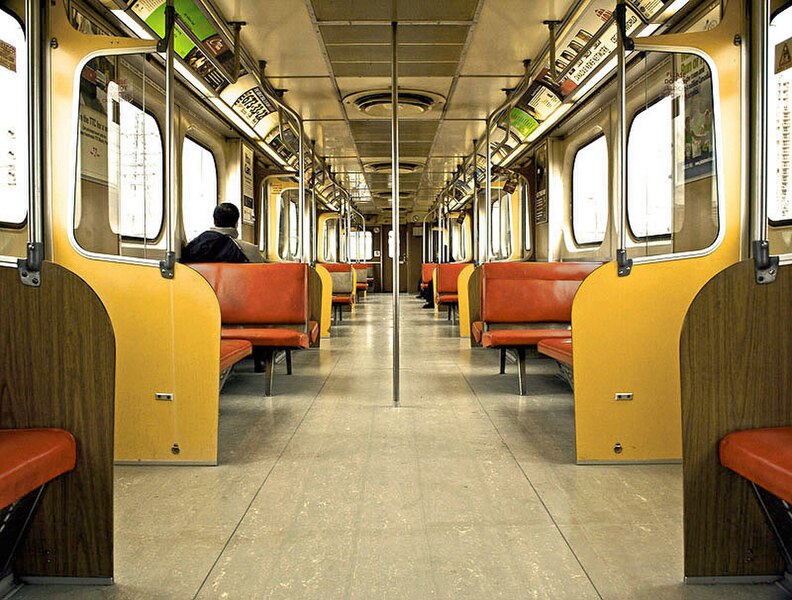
265 304
559 348
763 456
511 338
524 303
277 337
29 458
232 351
447 276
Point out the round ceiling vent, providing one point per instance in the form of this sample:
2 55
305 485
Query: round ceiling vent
377 103
386 167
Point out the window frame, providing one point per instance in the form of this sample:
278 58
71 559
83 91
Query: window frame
589 141
181 187
719 184
660 237
161 230
24 223
770 222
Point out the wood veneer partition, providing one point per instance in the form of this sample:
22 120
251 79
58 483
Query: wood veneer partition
736 368
474 302
58 370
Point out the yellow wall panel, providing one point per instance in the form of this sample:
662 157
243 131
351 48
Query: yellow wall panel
626 329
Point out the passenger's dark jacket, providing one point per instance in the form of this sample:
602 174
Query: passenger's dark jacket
212 246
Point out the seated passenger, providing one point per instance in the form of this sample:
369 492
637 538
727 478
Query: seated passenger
221 243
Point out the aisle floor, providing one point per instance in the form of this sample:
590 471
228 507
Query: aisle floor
326 491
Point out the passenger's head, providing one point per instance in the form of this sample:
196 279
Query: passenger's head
226 215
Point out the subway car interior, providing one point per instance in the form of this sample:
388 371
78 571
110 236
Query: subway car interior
396 299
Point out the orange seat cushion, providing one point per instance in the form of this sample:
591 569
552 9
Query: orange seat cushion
447 276
557 348
362 286
232 351
343 299
514 338
447 298
763 456
29 458
268 337
427 272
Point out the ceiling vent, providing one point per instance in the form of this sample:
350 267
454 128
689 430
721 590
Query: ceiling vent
386 167
387 195
377 103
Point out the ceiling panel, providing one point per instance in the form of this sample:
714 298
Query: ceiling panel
312 97
406 10
476 97
422 53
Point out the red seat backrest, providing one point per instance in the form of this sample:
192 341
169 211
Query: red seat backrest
427 271
530 292
447 275
259 293
337 267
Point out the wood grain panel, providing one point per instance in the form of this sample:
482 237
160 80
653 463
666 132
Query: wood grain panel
58 370
735 351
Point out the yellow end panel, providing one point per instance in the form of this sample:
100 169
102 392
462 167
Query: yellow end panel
464 300
626 330
167 331
327 300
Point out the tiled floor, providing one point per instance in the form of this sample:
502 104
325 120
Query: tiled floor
467 491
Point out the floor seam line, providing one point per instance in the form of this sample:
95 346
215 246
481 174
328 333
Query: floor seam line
266 478
533 487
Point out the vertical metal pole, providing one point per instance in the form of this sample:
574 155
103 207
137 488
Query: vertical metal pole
624 265
314 234
760 25
348 230
31 266
395 205
301 190
166 266
476 215
765 266
487 194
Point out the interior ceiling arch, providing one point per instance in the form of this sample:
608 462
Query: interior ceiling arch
466 52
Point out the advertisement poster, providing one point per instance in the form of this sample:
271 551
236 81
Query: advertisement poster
248 218
540 199
699 135
153 13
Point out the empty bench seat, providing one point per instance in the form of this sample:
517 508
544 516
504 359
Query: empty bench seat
446 292
232 351
266 304
525 303
29 459
764 457
559 348
343 278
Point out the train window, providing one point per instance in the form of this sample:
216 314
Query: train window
459 240
590 192
361 246
288 225
779 209
495 226
140 192
13 123
199 188
330 240
119 199
650 176
672 191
